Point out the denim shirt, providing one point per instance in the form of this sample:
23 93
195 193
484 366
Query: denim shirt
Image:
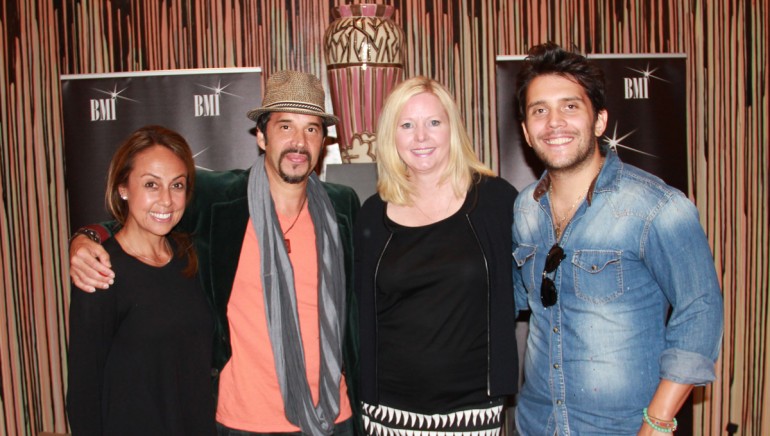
634 249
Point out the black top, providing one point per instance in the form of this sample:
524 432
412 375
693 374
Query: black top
140 353
431 314
489 210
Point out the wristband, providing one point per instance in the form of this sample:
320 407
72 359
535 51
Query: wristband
660 425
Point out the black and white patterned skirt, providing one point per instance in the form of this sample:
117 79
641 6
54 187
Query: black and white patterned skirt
482 420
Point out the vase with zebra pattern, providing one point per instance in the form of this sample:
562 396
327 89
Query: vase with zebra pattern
365 60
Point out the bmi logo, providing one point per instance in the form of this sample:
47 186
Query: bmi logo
639 87
105 109
636 87
206 105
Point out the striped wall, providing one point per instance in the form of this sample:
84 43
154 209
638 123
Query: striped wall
453 41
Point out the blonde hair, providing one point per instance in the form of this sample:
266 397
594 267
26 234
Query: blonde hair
393 178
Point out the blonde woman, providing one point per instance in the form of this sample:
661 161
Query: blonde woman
433 274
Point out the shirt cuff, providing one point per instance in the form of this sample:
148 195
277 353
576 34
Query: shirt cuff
686 367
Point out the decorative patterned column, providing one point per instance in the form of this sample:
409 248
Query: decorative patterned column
364 58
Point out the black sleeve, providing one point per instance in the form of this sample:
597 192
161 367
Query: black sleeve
93 320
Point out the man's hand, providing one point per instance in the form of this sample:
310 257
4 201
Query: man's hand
90 266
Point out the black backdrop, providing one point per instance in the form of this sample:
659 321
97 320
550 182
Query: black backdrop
647 107
208 107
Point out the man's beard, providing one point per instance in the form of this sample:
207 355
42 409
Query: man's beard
294 179
581 157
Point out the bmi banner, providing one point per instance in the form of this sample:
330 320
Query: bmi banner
208 107
647 117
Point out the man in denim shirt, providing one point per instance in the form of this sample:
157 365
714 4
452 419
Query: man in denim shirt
626 306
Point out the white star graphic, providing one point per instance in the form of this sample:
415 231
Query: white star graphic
195 156
647 73
614 142
115 94
219 89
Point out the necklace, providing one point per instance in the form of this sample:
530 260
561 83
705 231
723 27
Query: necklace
558 224
153 262
441 215
296 218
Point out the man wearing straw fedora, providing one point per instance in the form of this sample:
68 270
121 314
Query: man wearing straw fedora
275 252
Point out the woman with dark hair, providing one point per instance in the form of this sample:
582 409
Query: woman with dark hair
140 352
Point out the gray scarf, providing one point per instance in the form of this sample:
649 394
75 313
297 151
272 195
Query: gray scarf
281 303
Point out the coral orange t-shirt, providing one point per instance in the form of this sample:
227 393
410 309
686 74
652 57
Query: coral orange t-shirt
249 395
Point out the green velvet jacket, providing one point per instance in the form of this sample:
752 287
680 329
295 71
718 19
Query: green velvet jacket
217 218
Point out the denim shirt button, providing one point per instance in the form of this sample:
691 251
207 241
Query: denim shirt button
559 402
556 366
556 329
594 268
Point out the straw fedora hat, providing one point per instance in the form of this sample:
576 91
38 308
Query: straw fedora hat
296 92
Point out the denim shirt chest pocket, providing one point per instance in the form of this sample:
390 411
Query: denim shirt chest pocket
598 275
524 256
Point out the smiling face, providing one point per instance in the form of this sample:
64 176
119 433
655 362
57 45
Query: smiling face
292 144
155 191
560 124
423 135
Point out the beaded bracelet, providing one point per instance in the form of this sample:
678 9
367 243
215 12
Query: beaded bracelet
660 425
